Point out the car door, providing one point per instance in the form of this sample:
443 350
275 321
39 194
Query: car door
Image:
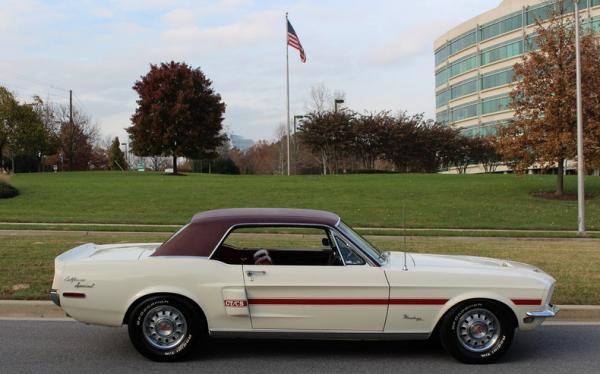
350 297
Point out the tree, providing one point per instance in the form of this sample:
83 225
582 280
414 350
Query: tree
544 99
329 135
368 137
116 157
178 114
76 138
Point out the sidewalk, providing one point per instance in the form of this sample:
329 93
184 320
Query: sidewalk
17 309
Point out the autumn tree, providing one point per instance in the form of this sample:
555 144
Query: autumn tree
77 135
368 137
116 157
544 99
329 136
178 114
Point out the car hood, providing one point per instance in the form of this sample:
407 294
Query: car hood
418 260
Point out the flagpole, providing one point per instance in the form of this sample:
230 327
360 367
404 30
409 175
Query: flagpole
287 86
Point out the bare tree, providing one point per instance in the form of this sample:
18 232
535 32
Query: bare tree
322 99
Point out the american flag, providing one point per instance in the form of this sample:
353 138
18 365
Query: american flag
294 42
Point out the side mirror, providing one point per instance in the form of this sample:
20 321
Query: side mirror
325 242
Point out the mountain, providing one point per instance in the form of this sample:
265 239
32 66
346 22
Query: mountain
240 142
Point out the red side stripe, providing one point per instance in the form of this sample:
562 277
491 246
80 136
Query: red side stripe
527 301
318 301
347 301
418 301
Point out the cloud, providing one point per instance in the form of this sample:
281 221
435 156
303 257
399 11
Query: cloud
182 31
409 44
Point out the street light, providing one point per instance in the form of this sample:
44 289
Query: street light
336 102
297 117
580 160
126 152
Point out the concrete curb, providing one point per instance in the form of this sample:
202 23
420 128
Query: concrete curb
25 309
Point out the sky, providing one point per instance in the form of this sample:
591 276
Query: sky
379 53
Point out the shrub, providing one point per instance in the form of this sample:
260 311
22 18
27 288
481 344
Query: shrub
7 191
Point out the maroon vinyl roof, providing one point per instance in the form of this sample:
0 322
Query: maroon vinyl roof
206 229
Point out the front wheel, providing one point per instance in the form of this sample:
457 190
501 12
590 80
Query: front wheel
164 328
477 332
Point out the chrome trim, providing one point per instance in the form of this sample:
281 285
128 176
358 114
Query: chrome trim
549 312
55 297
317 335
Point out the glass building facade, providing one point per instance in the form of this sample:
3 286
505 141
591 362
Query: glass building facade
474 62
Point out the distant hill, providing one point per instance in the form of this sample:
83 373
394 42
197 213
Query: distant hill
240 142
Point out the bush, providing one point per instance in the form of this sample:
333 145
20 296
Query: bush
7 191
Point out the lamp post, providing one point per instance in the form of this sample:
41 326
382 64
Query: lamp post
126 152
295 145
336 102
580 159
295 119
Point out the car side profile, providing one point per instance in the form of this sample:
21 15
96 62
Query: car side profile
296 273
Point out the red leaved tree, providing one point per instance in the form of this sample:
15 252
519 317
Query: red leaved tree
178 114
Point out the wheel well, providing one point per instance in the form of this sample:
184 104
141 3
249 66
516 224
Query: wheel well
509 312
145 297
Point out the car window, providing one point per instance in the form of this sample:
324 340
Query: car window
348 252
277 245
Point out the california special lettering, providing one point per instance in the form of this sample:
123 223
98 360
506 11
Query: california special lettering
79 282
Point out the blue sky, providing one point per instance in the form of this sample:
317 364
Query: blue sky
379 53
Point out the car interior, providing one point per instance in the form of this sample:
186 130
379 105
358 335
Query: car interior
307 250
234 255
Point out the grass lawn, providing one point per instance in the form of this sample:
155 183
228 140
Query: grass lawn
431 200
26 262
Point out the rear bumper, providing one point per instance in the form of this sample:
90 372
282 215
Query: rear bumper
55 297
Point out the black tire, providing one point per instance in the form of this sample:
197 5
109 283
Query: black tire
462 326
188 328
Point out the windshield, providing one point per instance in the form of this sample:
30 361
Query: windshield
367 247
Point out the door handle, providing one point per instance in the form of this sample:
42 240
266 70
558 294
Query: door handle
252 273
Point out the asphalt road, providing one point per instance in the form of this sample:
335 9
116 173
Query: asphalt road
71 347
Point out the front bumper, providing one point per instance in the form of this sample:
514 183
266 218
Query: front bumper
55 297
549 312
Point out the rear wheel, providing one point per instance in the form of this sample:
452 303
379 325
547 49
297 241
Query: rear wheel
477 332
165 328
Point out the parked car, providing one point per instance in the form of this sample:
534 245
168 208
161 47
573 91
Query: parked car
294 273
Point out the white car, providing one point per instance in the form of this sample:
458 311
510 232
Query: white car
294 273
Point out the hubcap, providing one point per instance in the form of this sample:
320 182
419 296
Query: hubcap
164 327
478 330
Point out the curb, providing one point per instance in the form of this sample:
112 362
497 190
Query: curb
46 310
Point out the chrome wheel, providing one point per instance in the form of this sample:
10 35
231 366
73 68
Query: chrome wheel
164 327
478 330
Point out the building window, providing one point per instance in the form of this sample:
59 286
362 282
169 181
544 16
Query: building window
463 42
500 27
539 13
464 89
442 117
497 79
495 104
442 54
463 65
442 98
442 76
501 52
464 111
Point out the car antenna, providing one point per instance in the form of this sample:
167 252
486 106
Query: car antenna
405 267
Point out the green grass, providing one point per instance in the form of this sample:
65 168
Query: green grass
26 262
431 201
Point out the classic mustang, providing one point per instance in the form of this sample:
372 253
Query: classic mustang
296 273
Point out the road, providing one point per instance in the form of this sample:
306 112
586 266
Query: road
70 347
